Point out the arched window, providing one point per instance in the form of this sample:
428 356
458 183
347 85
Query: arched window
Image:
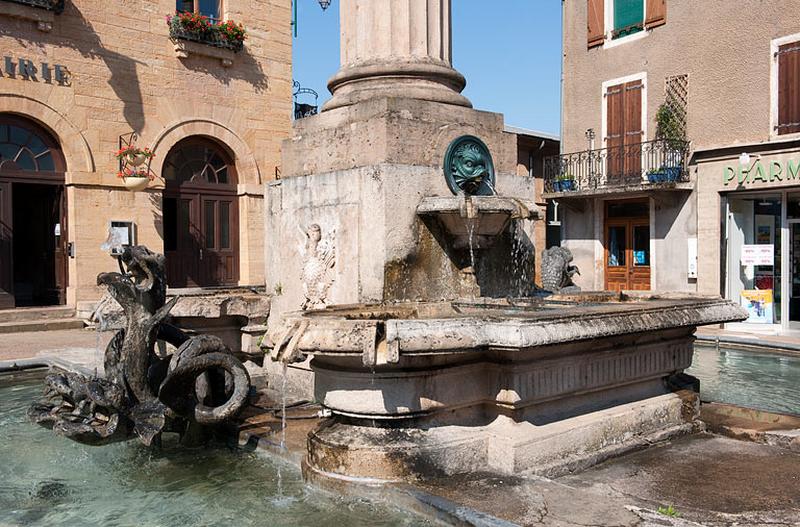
198 161
25 146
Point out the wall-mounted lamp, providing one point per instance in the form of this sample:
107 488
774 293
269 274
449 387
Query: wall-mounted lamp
744 161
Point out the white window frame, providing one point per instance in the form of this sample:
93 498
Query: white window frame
609 41
773 78
641 76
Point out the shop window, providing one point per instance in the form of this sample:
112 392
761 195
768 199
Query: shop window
209 8
788 58
754 256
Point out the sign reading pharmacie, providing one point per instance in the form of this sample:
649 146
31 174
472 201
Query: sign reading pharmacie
27 70
763 172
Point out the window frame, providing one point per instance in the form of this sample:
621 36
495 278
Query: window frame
609 41
641 76
220 10
775 45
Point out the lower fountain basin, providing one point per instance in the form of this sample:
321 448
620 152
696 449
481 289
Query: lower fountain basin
537 384
478 220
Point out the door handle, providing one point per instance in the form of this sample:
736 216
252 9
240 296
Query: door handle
201 254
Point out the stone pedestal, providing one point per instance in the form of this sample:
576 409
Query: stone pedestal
360 173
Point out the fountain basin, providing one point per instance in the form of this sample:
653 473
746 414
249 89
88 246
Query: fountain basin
481 218
508 386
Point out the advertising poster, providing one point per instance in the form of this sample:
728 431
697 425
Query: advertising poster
759 304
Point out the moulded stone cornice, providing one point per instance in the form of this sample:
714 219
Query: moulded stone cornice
44 19
184 49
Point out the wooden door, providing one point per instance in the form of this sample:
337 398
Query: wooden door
6 248
60 251
219 253
627 255
181 240
639 272
624 133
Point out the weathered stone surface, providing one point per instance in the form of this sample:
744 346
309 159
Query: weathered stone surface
542 385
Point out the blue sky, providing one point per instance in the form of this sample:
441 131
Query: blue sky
509 51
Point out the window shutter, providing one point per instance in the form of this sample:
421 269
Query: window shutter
596 17
633 112
615 116
656 13
789 88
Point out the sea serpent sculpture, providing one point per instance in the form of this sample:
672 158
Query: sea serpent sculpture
200 386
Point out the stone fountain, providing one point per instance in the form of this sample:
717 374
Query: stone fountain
407 299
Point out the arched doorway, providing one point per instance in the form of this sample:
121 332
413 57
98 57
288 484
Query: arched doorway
201 215
33 215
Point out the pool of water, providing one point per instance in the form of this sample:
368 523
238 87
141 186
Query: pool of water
760 381
49 480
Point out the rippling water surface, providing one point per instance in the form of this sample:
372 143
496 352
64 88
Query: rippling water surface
760 381
46 480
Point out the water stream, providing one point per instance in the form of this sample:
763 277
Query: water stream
46 480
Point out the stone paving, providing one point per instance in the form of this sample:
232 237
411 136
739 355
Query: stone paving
76 344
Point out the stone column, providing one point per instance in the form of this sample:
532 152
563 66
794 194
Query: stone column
396 48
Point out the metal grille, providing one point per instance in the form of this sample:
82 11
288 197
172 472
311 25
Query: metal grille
57 6
676 98
660 163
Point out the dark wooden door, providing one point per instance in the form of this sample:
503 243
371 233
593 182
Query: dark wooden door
627 254
60 251
219 254
201 241
6 247
181 240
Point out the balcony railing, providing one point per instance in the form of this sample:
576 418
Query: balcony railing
56 6
209 38
655 163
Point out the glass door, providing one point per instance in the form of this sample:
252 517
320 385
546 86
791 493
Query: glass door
794 274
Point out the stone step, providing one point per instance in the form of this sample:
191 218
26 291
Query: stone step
41 325
33 314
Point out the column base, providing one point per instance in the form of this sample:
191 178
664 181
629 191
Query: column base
427 81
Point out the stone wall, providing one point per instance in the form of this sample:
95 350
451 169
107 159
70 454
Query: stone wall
125 77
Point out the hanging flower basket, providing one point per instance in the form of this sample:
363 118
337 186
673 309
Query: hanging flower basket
134 156
135 179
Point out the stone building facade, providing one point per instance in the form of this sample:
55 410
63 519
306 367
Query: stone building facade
78 78
680 149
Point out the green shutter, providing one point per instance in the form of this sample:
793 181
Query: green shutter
628 17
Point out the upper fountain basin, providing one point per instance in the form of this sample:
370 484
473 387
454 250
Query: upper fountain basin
385 333
479 218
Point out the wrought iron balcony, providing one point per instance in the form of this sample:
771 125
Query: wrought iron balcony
209 38
56 6
657 164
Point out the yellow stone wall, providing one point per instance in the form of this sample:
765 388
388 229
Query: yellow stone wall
125 77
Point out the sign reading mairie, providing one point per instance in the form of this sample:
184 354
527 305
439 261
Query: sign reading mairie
27 70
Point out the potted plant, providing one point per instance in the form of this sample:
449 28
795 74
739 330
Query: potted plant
131 155
232 33
200 28
135 179
670 132
564 183
656 175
